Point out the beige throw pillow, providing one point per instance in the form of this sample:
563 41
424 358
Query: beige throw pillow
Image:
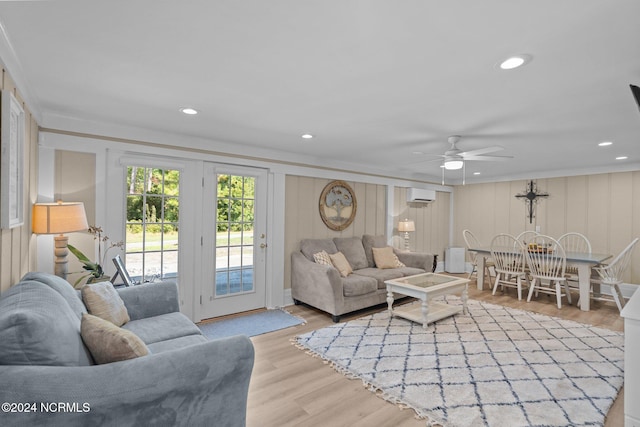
323 258
108 343
385 258
340 262
102 300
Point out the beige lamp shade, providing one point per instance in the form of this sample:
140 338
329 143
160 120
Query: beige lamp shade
406 226
58 218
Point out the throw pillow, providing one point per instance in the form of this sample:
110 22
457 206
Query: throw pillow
369 241
323 258
102 300
353 251
385 258
109 343
340 262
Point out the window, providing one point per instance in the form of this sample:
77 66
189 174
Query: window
152 223
234 234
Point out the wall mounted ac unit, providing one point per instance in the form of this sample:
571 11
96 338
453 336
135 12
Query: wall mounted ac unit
418 195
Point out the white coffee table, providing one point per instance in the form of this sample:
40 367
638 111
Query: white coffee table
425 287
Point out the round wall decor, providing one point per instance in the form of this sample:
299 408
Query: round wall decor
337 205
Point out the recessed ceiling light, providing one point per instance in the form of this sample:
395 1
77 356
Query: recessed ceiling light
605 143
515 62
622 158
188 110
307 136
476 173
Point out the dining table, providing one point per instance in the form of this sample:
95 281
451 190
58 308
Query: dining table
583 261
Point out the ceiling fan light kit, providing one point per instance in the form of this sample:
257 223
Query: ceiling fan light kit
453 163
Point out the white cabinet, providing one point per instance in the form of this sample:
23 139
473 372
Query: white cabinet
631 314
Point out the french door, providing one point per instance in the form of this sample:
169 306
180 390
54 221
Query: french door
234 242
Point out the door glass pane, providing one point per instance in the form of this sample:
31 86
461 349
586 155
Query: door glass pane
234 240
152 223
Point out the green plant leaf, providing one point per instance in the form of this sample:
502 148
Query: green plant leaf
81 257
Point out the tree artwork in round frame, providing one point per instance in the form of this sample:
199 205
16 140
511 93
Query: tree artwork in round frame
338 205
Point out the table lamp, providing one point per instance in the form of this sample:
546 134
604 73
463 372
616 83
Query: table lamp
406 226
59 218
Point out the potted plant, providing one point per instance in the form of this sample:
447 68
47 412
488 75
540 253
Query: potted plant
94 269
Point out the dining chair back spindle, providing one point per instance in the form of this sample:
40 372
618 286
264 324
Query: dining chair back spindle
547 263
574 242
508 256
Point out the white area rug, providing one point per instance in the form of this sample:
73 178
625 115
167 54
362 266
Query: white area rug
496 367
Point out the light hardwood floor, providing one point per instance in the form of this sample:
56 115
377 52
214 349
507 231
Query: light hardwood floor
291 388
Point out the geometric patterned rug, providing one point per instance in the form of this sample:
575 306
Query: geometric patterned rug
497 366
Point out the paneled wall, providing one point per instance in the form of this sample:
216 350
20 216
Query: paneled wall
431 220
303 220
18 245
604 207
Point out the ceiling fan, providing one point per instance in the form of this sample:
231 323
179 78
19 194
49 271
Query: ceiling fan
454 158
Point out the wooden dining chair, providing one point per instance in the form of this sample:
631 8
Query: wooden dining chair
574 242
472 242
611 274
508 255
547 263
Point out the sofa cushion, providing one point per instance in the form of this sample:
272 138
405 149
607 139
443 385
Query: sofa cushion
161 328
176 343
61 286
102 300
308 247
368 242
380 275
385 258
109 343
340 262
323 258
37 327
353 250
355 285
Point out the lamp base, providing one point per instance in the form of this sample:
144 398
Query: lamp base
406 241
61 251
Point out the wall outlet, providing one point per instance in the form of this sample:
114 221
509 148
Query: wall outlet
537 228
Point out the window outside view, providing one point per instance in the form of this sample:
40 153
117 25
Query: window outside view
234 234
152 223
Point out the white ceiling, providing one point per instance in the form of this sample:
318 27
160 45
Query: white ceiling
374 81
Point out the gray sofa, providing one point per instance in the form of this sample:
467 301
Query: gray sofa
47 375
323 287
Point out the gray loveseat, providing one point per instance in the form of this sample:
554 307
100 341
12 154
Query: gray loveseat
47 375
323 287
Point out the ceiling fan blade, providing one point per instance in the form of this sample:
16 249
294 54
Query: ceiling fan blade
437 159
485 150
488 158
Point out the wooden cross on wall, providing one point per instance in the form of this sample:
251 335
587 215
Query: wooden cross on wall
530 197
